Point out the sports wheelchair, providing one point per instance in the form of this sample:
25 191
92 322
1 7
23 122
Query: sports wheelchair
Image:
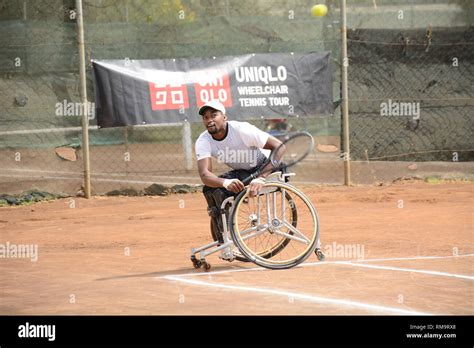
277 229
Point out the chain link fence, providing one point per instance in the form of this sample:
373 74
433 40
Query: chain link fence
38 79
390 60
186 29
410 86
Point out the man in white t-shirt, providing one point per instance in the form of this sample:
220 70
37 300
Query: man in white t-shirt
241 146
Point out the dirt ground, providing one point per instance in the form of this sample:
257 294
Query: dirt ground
405 248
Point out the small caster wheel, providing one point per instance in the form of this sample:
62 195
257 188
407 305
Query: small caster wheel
207 266
319 254
196 263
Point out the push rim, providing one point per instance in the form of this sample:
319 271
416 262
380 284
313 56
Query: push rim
246 250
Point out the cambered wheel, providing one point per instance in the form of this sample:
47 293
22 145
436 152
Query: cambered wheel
267 229
278 245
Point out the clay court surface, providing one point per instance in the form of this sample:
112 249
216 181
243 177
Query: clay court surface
130 255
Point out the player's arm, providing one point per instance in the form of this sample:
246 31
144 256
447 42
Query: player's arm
208 178
271 144
256 184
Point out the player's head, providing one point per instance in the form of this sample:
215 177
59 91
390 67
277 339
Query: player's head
213 116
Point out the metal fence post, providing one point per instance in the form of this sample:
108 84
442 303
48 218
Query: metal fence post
83 91
345 96
187 145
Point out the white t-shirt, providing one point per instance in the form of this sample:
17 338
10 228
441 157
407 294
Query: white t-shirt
240 149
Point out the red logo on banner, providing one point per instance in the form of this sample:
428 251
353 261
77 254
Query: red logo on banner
215 85
168 97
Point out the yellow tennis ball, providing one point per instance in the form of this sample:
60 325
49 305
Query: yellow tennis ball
319 10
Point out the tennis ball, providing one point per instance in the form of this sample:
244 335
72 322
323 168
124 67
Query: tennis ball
319 10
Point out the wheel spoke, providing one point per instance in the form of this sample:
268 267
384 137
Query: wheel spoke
295 231
287 242
290 236
255 234
248 230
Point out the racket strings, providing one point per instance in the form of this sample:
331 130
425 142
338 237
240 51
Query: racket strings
293 151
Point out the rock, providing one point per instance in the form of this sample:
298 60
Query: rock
11 200
34 193
412 166
27 198
327 148
157 190
21 100
66 153
37 196
124 192
407 179
182 189
413 124
113 193
130 192
44 195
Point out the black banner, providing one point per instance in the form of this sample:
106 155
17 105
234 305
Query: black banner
290 331
134 92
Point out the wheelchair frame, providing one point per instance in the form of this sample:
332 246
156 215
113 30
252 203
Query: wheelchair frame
228 246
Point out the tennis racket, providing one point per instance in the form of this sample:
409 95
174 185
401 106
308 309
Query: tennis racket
293 150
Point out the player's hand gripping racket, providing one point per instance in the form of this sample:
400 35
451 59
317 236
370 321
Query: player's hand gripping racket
293 150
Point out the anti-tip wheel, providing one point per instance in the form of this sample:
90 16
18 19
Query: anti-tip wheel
207 266
196 263
319 254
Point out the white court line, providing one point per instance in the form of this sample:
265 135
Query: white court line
412 258
390 259
249 269
217 272
322 264
39 171
318 299
411 270
42 177
156 178
92 179
94 174
305 297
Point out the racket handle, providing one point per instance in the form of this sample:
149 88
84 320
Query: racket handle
252 176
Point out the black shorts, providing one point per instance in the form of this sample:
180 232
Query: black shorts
240 174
